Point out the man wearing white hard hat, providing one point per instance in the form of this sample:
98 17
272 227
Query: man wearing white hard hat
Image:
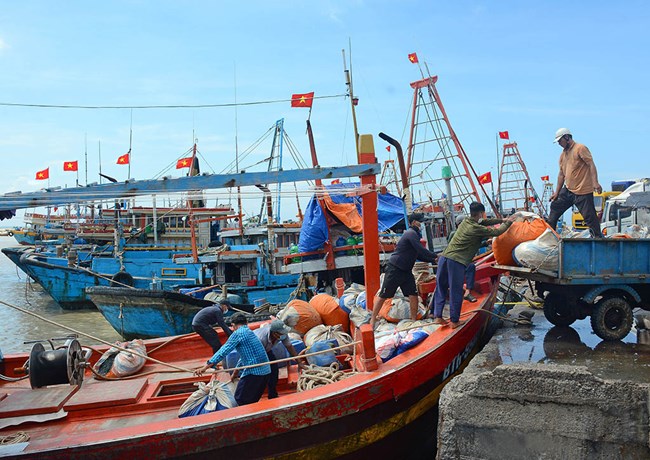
576 182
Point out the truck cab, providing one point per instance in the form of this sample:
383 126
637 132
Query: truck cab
617 215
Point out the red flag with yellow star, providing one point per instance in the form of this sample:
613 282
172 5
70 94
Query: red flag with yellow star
413 57
124 159
184 163
485 178
44 174
302 100
71 166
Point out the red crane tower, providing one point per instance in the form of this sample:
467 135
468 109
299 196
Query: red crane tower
515 189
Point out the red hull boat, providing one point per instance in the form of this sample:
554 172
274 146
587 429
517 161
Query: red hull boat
138 418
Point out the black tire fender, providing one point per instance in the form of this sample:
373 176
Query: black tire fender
121 278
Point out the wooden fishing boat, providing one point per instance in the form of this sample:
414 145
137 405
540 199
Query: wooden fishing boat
138 417
147 313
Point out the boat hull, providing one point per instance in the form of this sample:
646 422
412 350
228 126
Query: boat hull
143 313
331 421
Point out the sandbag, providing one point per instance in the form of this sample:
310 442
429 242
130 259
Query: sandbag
116 363
300 316
218 394
410 339
518 233
386 346
324 333
541 253
322 359
359 316
347 301
398 308
330 312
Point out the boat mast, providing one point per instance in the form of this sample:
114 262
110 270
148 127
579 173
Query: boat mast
353 100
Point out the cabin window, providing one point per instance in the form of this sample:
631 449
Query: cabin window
173 272
625 211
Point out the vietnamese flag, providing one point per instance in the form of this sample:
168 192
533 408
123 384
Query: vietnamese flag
545 178
413 57
124 159
388 148
184 163
531 199
485 178
71 166
42 175
302 100
503 135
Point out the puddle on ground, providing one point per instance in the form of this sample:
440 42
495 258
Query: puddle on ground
577 345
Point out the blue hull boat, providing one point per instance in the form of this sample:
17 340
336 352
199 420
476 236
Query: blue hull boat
66 284
145 313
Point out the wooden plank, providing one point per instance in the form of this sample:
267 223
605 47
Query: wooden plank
107 394
37 401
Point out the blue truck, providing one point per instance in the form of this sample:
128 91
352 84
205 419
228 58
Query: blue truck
604 279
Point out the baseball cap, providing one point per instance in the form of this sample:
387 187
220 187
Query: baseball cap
278 326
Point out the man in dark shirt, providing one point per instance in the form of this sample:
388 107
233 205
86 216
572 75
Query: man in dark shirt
204 321
400 265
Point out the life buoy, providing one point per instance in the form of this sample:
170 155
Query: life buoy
11 233
122 278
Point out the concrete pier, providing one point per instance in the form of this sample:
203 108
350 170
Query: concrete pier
548 392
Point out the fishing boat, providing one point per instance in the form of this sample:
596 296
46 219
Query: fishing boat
138 417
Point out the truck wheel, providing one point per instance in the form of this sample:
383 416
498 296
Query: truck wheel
558 310
612 318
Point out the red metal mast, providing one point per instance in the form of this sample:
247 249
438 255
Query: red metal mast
515 188
434 144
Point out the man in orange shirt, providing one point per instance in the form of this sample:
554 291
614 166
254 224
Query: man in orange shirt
576 183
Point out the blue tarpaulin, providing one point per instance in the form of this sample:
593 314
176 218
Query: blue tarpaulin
390 210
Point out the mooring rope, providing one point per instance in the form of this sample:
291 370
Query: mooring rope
316 376
97 339
149 358
21 436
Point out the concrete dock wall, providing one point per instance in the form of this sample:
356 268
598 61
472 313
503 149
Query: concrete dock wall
528 410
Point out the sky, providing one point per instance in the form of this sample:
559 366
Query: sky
525 67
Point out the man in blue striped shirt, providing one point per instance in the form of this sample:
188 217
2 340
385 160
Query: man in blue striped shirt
253 380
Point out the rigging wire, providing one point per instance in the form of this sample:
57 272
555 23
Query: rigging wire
175 106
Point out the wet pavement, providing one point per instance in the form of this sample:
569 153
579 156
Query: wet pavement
575 345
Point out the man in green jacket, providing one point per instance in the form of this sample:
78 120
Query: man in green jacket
453 261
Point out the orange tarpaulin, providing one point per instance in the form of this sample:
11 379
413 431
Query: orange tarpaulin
347 213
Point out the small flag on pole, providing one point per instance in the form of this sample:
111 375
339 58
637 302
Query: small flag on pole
71 166
503 135
302 100
531 199
485 178
388 148
44 174
184 163
413 57
545 178
124 159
